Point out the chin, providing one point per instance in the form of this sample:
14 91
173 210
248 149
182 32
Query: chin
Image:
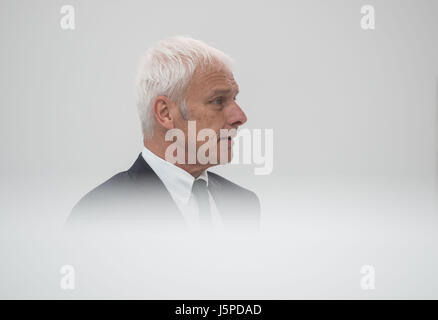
226 156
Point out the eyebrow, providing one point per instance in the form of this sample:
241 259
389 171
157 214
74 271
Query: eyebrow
222 92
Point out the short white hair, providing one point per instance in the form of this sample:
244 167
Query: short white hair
167 68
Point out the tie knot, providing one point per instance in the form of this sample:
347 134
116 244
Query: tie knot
200 190
199 185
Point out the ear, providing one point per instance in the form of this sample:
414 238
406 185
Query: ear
161 109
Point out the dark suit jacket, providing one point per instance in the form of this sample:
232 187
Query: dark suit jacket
138 198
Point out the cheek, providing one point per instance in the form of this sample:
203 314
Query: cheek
211 119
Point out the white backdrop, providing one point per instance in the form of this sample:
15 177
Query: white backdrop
354 114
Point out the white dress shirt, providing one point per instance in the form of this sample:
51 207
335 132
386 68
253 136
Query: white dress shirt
179 183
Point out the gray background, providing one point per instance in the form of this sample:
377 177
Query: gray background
354 115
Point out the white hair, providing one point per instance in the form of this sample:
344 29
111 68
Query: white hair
167 68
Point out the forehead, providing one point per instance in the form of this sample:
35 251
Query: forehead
207 81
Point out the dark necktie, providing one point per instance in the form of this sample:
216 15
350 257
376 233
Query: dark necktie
200 192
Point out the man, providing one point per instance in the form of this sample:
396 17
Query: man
182 85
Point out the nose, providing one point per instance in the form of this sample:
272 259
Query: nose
236 116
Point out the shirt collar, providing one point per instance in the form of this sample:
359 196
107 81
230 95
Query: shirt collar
177 181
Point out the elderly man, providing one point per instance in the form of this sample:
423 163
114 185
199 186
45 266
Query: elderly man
183 85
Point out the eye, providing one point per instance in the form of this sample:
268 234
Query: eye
219 100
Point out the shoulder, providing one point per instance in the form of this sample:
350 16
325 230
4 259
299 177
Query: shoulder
103 193
120 186
115 182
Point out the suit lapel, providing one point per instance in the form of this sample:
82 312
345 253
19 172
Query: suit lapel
221 198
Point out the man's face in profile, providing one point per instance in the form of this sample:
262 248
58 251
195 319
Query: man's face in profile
211 102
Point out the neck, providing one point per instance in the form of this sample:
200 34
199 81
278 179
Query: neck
159 149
